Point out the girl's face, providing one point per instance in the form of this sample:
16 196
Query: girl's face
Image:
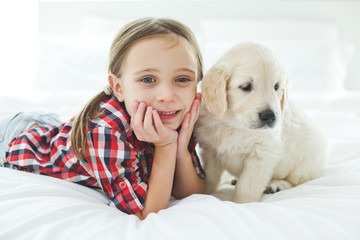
160 71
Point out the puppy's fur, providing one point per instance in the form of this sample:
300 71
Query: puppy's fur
248 126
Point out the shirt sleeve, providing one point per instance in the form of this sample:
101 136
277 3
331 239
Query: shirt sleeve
195 158
114 163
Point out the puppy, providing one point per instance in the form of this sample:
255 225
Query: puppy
248 126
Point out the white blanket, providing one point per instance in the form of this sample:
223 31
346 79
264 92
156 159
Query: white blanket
40 207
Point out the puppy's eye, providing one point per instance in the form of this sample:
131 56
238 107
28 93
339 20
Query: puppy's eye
246 87
276 87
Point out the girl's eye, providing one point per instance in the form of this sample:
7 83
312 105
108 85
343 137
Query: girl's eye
276 87
148 80
182 80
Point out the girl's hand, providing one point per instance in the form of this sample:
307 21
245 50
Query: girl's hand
148 127
187 128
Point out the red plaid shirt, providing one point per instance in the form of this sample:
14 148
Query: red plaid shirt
119 163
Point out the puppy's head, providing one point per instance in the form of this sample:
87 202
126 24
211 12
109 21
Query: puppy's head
247 87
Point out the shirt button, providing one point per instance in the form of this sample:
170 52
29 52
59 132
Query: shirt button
123 185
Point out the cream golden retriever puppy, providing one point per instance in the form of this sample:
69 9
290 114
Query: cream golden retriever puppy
248 126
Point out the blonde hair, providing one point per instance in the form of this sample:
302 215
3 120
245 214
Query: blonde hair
127 37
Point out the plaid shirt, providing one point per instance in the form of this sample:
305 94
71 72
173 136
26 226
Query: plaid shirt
118 163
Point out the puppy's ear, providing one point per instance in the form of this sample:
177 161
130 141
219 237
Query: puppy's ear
213 90
284 99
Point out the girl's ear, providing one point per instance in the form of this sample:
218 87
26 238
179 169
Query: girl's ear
116 87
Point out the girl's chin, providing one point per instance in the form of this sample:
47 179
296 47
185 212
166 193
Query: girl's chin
172 125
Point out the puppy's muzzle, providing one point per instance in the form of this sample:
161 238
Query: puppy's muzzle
267 118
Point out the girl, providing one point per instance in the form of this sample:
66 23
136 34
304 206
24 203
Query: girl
141 124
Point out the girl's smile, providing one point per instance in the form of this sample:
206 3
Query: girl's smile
168 115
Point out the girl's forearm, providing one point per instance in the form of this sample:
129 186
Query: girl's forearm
187 181
161 180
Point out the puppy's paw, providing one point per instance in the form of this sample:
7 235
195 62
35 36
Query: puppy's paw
276 186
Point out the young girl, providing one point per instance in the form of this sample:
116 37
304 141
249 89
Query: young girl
134 139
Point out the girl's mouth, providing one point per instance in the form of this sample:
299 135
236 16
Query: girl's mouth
168 114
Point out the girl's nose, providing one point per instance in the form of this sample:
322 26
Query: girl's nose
166 93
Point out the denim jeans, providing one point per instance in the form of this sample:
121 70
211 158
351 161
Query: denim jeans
12 126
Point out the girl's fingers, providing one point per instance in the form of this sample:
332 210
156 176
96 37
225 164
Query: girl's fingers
195 111
189 120
184 136
148 123
198 96
158 123
196 104
185 130
186 122
148 118
135 106
188 125
137 120
138 115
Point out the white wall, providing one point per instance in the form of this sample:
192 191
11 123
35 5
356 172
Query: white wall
65 18
22 21
18 45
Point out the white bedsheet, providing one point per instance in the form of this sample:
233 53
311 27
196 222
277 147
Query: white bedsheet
40 207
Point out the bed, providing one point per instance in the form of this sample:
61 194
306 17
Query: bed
40 207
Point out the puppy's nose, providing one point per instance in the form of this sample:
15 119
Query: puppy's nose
267 116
